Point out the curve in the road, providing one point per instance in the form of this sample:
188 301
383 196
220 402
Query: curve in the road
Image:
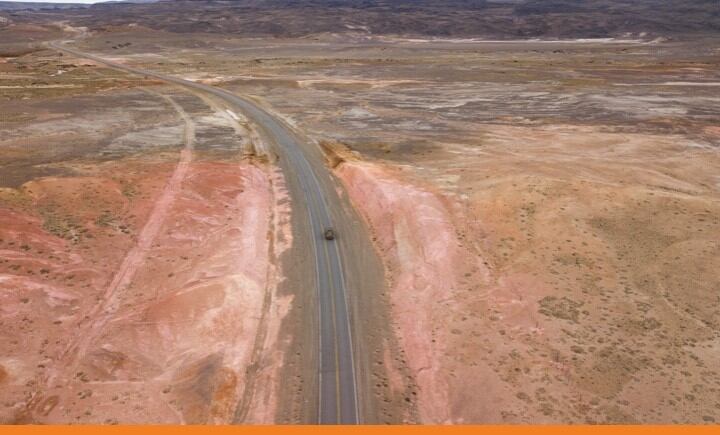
338 396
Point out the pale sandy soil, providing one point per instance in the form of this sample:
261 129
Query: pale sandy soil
572 281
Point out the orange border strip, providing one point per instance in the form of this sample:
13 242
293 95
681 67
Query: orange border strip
315 430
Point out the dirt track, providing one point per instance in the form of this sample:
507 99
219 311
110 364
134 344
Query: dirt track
135 258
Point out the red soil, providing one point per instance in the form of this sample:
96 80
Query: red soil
184 296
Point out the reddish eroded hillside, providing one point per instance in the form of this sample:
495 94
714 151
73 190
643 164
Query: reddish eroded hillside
68 237
184 328
426 267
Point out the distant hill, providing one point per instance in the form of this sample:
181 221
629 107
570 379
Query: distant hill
132 1
440 18
17 6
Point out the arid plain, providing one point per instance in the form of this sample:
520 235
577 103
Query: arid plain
546 216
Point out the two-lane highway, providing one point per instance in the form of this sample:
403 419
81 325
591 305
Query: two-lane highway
338 395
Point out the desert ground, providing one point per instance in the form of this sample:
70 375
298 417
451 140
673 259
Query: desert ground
545 215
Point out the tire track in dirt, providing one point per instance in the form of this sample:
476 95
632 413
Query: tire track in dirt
243 411
243 405
104 310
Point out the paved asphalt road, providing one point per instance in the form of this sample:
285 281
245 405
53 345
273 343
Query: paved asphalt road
338 403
